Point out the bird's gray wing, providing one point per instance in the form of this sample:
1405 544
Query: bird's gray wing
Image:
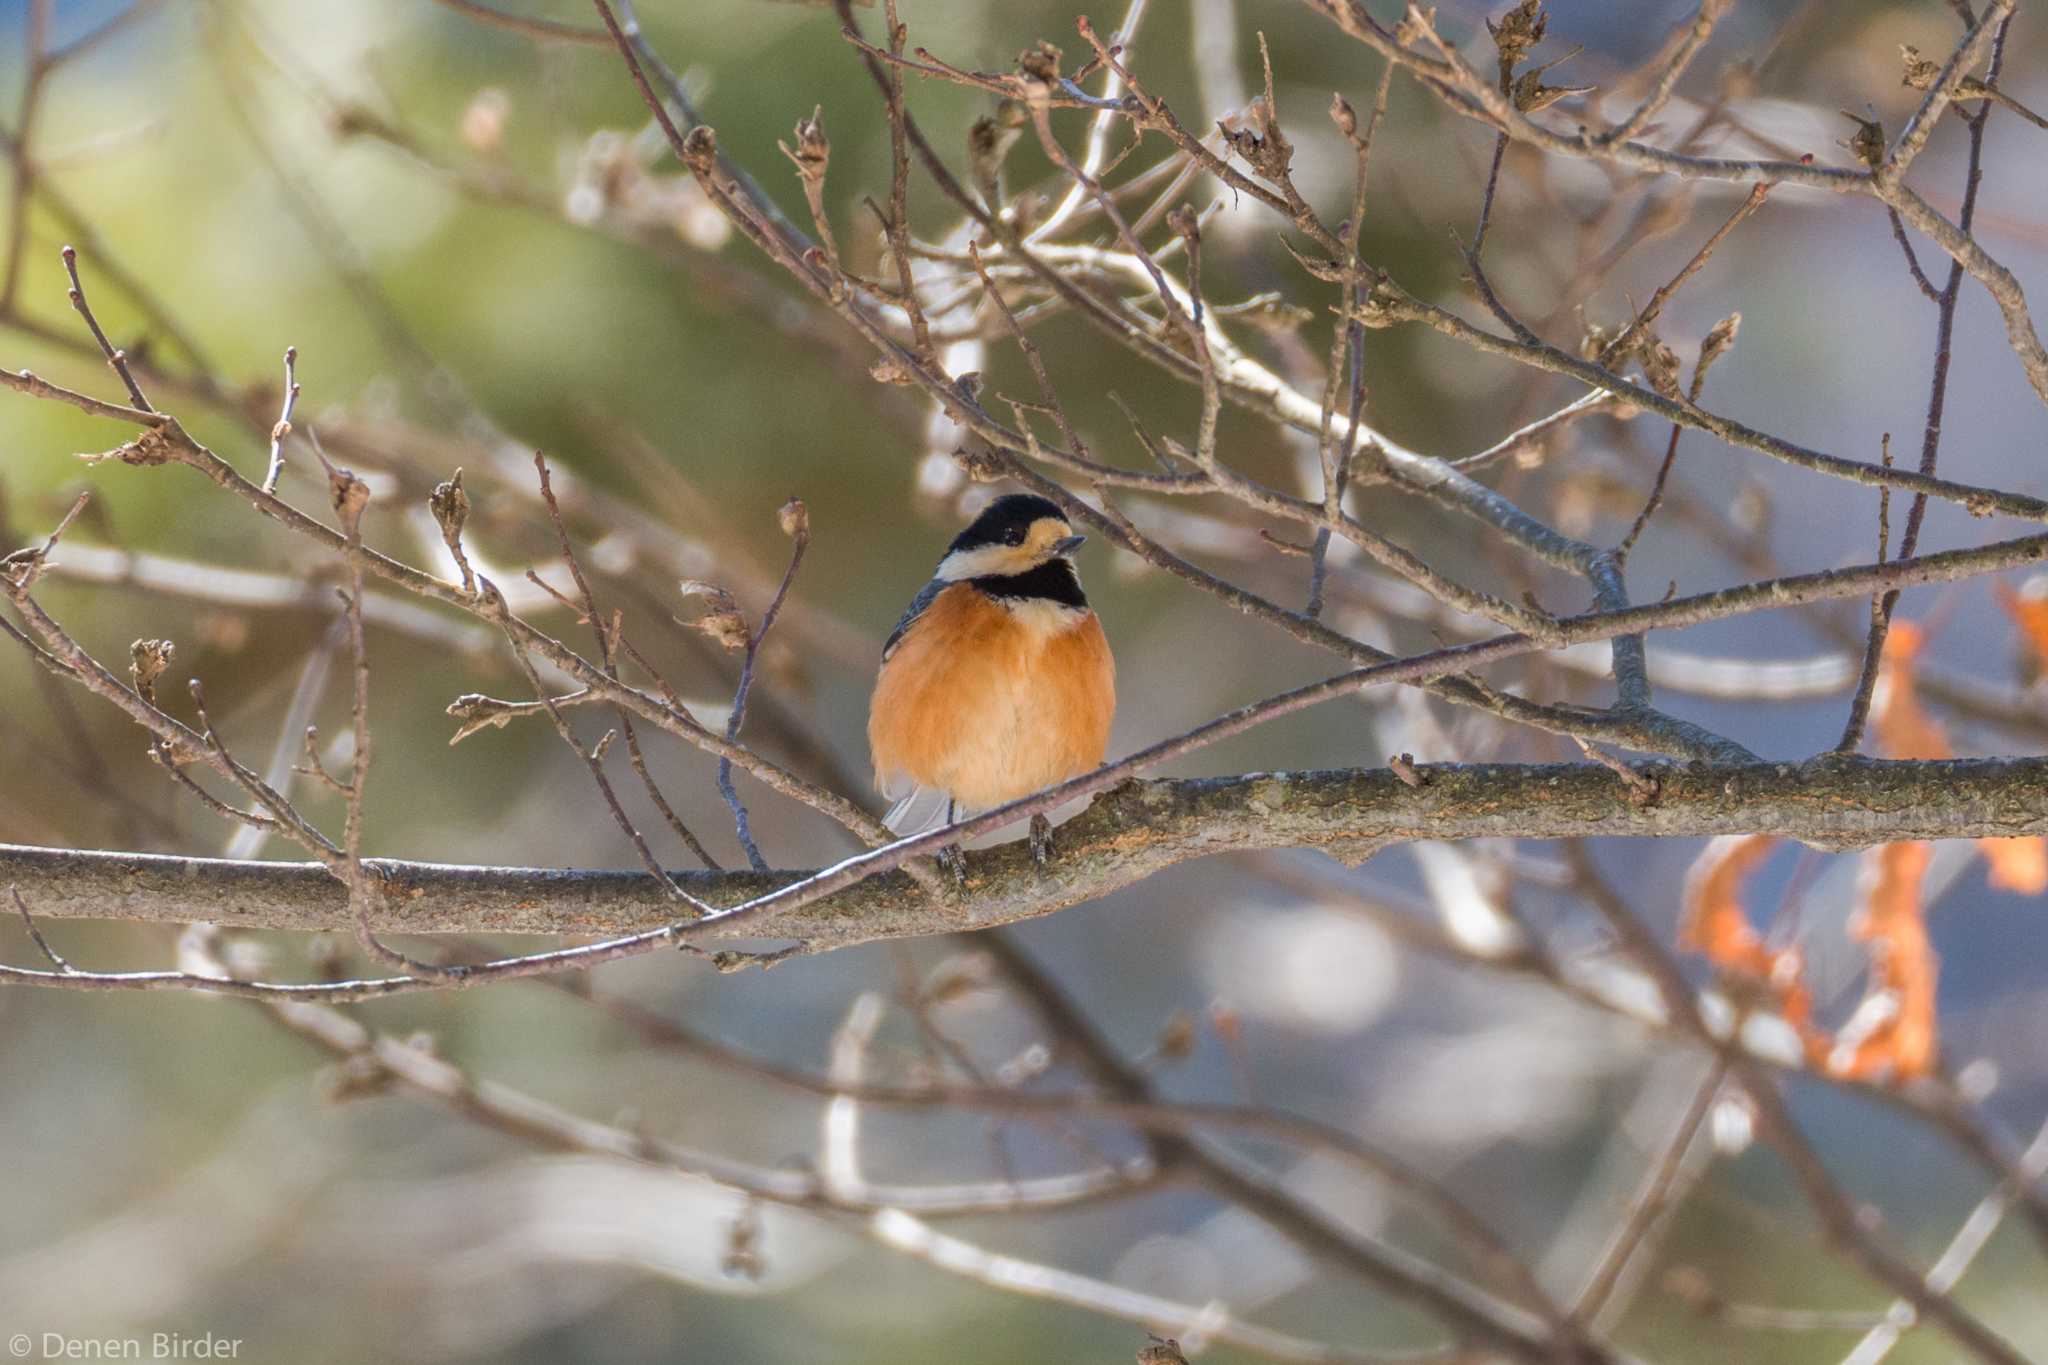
925 597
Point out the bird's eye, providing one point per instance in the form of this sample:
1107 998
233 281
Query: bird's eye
1014 536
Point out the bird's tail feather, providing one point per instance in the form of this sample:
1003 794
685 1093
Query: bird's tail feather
923 810
926 808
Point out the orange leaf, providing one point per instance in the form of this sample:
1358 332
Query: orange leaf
2017 864
2030 614
1714 922
1904 728
1715 925
1894 1031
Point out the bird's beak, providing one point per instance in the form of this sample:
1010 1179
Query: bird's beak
1069 545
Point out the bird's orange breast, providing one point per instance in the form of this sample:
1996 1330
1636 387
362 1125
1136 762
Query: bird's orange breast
988 703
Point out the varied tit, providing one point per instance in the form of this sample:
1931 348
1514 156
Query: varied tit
998 681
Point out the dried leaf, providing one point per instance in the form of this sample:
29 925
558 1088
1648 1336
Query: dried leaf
2019 865
722 620
1518 31
1714 922
1715 925
1903 727
476 712
729 628
152 447
2029 611
1532 96
1905 730
1920 74
147 660
1893 1032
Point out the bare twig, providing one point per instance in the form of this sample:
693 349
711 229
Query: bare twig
115 358
796 524
283 429
1883 606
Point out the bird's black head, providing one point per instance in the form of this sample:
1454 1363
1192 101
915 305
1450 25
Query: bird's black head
1007 522
1017 548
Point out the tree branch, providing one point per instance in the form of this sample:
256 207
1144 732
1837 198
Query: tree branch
1130 833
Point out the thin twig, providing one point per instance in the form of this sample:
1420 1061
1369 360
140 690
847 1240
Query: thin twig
608 640
1654 1199
1945 302
796 523
28 922
116 358
283 428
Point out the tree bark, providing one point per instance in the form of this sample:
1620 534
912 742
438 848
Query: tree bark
1129 833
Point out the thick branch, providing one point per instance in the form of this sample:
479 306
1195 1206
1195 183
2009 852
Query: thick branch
1130 832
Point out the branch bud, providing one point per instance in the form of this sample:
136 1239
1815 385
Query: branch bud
979 461
350 496
1717 343
1868 145
1040 62
795 519
700 149
1344 116
813 151
1385 304
1660 365
1416 24
450 506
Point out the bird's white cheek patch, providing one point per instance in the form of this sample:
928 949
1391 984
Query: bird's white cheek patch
988 561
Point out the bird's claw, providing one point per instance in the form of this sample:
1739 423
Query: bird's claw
952 858
1041 841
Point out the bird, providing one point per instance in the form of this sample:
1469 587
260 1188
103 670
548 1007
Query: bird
998 681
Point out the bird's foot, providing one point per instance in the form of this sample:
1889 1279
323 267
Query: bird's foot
1041 841
952 858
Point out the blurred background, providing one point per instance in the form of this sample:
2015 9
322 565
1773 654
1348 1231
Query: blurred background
479 251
